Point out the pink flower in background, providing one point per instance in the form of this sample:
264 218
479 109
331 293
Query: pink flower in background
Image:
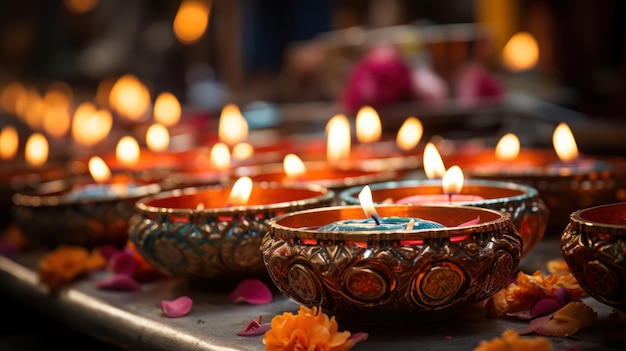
380 78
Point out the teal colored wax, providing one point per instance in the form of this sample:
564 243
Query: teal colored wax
386 224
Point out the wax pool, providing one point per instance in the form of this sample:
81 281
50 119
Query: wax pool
386 224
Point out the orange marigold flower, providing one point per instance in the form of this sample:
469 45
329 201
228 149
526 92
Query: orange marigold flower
511 341
557 265
66 263
310 329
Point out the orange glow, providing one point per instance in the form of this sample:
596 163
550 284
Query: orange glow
80 6
127 151
365 198
56 120
9 141
157 137
191 20
104 91
32 109
433 164
167 109
368 126
220 157
91 126
10 95
521 52
99 170
508 147
233 127
58 94
338 139
130 97
243 151
564 143
452 180
36 150
410 133
294 167
240 192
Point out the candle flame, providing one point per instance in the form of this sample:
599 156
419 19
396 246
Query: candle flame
433 164
410 133
91 126
10 96
452 180
167 109
233 127
368 126
191 20
365 198
56 121
31 109
220 157
564 143
127 151
521 52
36 150
508 147
294 167
338 139
240 192
157 137
80 6
99 170
130 97
9 141
243 151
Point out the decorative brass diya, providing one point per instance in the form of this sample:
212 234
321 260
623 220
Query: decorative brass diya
594 246
528 212
365 275
190 233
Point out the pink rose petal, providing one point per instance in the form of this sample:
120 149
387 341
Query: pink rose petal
122 262
107 251
120 282
176 308
536 323
544 307
252 291
472 222
255 328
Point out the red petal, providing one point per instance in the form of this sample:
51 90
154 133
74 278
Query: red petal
120 282
544 307
255 328
123 262
252 291
176 308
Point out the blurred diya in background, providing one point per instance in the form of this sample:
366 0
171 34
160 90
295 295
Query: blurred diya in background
211 235
528 212
370 151
295 171
566 181
85 211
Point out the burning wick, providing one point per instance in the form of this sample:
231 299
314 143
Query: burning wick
376 218
409 226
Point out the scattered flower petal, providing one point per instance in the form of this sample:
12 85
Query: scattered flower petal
120 282
176 308
67 263
557 266
107 251
255 328
578 311
472 222
122 262
512 341
564 322
544 307
309 329
252 291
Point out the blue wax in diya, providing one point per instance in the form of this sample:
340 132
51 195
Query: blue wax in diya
386 224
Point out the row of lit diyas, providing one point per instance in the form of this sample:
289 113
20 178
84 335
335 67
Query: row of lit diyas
233 229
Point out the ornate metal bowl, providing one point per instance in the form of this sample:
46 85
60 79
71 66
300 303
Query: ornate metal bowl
365 275
594 246
189 233
56 213
528 212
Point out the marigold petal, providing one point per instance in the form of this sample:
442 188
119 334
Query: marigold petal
577 311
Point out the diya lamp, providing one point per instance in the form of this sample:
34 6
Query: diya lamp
370 150
528 212
86 211
593 244
565 179
220 227
387 263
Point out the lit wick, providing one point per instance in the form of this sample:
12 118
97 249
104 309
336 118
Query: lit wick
452 181
376 218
